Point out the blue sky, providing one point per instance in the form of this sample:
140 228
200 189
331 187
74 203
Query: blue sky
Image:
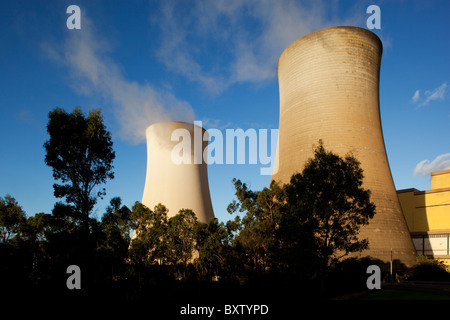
146 61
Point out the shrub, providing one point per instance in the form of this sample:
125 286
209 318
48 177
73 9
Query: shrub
429 270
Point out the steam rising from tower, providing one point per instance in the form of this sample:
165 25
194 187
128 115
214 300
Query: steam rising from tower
177 186
329 90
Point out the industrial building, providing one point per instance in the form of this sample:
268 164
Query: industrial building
329 90
427 214
177 185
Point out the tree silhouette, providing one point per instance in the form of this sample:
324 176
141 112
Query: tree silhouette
308 224
329 199
80 153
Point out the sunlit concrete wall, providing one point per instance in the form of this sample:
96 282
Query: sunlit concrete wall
329 90
182 185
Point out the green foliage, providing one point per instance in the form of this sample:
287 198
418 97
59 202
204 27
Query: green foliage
80 153
115 237
181 238
256 243
308 224
328 198
212 243
149 245
281 237
12 217
350 275
159 240
36 227
427 269
116 223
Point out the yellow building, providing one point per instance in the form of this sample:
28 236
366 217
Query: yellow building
427 214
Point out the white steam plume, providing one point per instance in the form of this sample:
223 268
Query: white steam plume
136 106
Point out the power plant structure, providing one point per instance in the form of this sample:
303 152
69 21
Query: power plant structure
329 90
176 178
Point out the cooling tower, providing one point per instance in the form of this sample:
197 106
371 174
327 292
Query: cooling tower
171 182
329 90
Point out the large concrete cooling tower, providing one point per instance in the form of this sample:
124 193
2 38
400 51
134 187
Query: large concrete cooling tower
177 185
329 90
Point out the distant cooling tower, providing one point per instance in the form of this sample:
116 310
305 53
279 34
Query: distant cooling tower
177 186
329 90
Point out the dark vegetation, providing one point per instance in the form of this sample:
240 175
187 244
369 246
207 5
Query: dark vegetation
283 243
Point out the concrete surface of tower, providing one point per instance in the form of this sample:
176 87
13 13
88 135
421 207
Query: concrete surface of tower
177 185
329 90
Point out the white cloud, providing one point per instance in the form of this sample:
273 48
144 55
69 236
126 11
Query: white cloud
208 123
236 41
214 44
425 167
436 94
136 106
416 96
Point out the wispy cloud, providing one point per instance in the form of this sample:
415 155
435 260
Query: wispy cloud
425 167
208 123
430 95
136 105
214 44
24 116
236 41
416 96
